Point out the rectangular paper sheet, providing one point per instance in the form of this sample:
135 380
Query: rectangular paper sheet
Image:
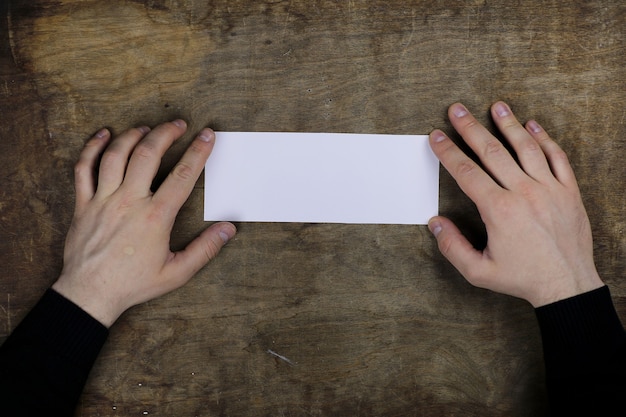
321 178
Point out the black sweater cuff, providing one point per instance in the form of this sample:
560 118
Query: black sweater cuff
64 327
45 362
579 330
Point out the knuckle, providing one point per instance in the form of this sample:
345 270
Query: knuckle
527 191
543 137
145 150
531 146
81 168
196 147
471 123
509 122
560 155
465 168
509 125
211 249
183 172
159 214
502 206
493 148
110 157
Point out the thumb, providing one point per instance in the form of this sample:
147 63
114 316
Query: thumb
457 249
200 251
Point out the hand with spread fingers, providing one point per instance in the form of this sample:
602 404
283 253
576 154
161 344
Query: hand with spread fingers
117 251
539 238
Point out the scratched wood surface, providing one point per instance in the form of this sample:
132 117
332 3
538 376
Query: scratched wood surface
367 320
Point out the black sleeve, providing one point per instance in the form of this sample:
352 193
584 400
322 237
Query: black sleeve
584 346
45 362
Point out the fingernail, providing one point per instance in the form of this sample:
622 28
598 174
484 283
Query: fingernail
206 135
459 110
438 136
180 123
435 228
143 129
102 133
226 234
534 126
502 109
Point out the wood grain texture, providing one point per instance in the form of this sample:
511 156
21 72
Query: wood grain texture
373 318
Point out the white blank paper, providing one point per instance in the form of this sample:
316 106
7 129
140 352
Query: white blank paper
321 178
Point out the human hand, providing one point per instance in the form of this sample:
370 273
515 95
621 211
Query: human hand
539 239
117 251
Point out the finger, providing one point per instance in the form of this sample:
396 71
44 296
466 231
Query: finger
146 157
179 184
459 251
198 253
470 177
529 153
85 169
115 158
494 156
557 158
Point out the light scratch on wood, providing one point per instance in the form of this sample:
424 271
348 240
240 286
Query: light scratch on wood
10 33
281 357
408 42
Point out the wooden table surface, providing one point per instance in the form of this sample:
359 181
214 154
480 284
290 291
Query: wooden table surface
374 319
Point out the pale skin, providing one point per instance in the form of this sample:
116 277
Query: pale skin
539 239
117 252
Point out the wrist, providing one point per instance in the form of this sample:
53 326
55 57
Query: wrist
567 288
89 300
